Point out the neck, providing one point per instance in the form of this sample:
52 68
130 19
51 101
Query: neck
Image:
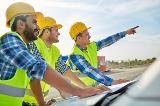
84 46
23 37
47 42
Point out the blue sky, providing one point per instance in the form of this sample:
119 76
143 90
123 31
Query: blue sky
106 17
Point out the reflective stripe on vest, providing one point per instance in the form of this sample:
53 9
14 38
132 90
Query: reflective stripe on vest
29 92
91 56
11 91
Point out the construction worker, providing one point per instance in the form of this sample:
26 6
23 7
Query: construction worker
84 54
18 65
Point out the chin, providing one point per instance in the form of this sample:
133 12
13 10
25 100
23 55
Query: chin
56 41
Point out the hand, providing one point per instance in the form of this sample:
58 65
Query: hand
131 31
119 81
103 87
64 95
89 92
50 102
44 104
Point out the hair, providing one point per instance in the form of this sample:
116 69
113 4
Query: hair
20 17
80 34
40 35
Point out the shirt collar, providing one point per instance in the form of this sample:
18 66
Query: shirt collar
83 49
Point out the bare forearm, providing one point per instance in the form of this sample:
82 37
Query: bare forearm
69 74
55 79
37 91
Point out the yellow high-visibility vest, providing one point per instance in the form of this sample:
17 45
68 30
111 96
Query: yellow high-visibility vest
90 54
51 55
12 91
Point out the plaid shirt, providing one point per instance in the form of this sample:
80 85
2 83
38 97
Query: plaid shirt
14 54
79 62
60 65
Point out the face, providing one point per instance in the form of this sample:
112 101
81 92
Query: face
54 35
31 30
85 37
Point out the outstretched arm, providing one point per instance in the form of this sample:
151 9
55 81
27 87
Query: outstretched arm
114 38
109 40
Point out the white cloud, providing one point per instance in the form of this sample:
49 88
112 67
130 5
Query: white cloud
128 7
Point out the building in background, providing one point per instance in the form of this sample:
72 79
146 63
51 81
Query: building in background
101 63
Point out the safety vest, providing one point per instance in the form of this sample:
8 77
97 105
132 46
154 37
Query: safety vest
12 91
91 56
51 56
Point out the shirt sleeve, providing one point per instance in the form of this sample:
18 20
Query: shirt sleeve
109 40
33 48
85 67
61 66
17 54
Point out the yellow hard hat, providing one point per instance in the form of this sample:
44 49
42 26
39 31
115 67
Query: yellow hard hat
39 16
48 22
77 28
18 8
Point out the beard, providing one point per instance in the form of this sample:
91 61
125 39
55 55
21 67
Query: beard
29 34
53 39
56 41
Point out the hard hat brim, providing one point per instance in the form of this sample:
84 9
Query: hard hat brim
59 26
89 28
37 14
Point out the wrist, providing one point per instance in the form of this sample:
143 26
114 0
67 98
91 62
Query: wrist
42 103
124 33
78 92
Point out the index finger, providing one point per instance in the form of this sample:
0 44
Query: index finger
135 27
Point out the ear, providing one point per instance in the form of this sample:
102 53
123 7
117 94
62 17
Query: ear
45 31
20 25
79 37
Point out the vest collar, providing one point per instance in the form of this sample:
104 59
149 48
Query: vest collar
82 49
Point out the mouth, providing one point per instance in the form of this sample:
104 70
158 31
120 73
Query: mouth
57 36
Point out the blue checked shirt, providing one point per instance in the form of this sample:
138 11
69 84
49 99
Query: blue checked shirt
60 65
79 62
14 54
